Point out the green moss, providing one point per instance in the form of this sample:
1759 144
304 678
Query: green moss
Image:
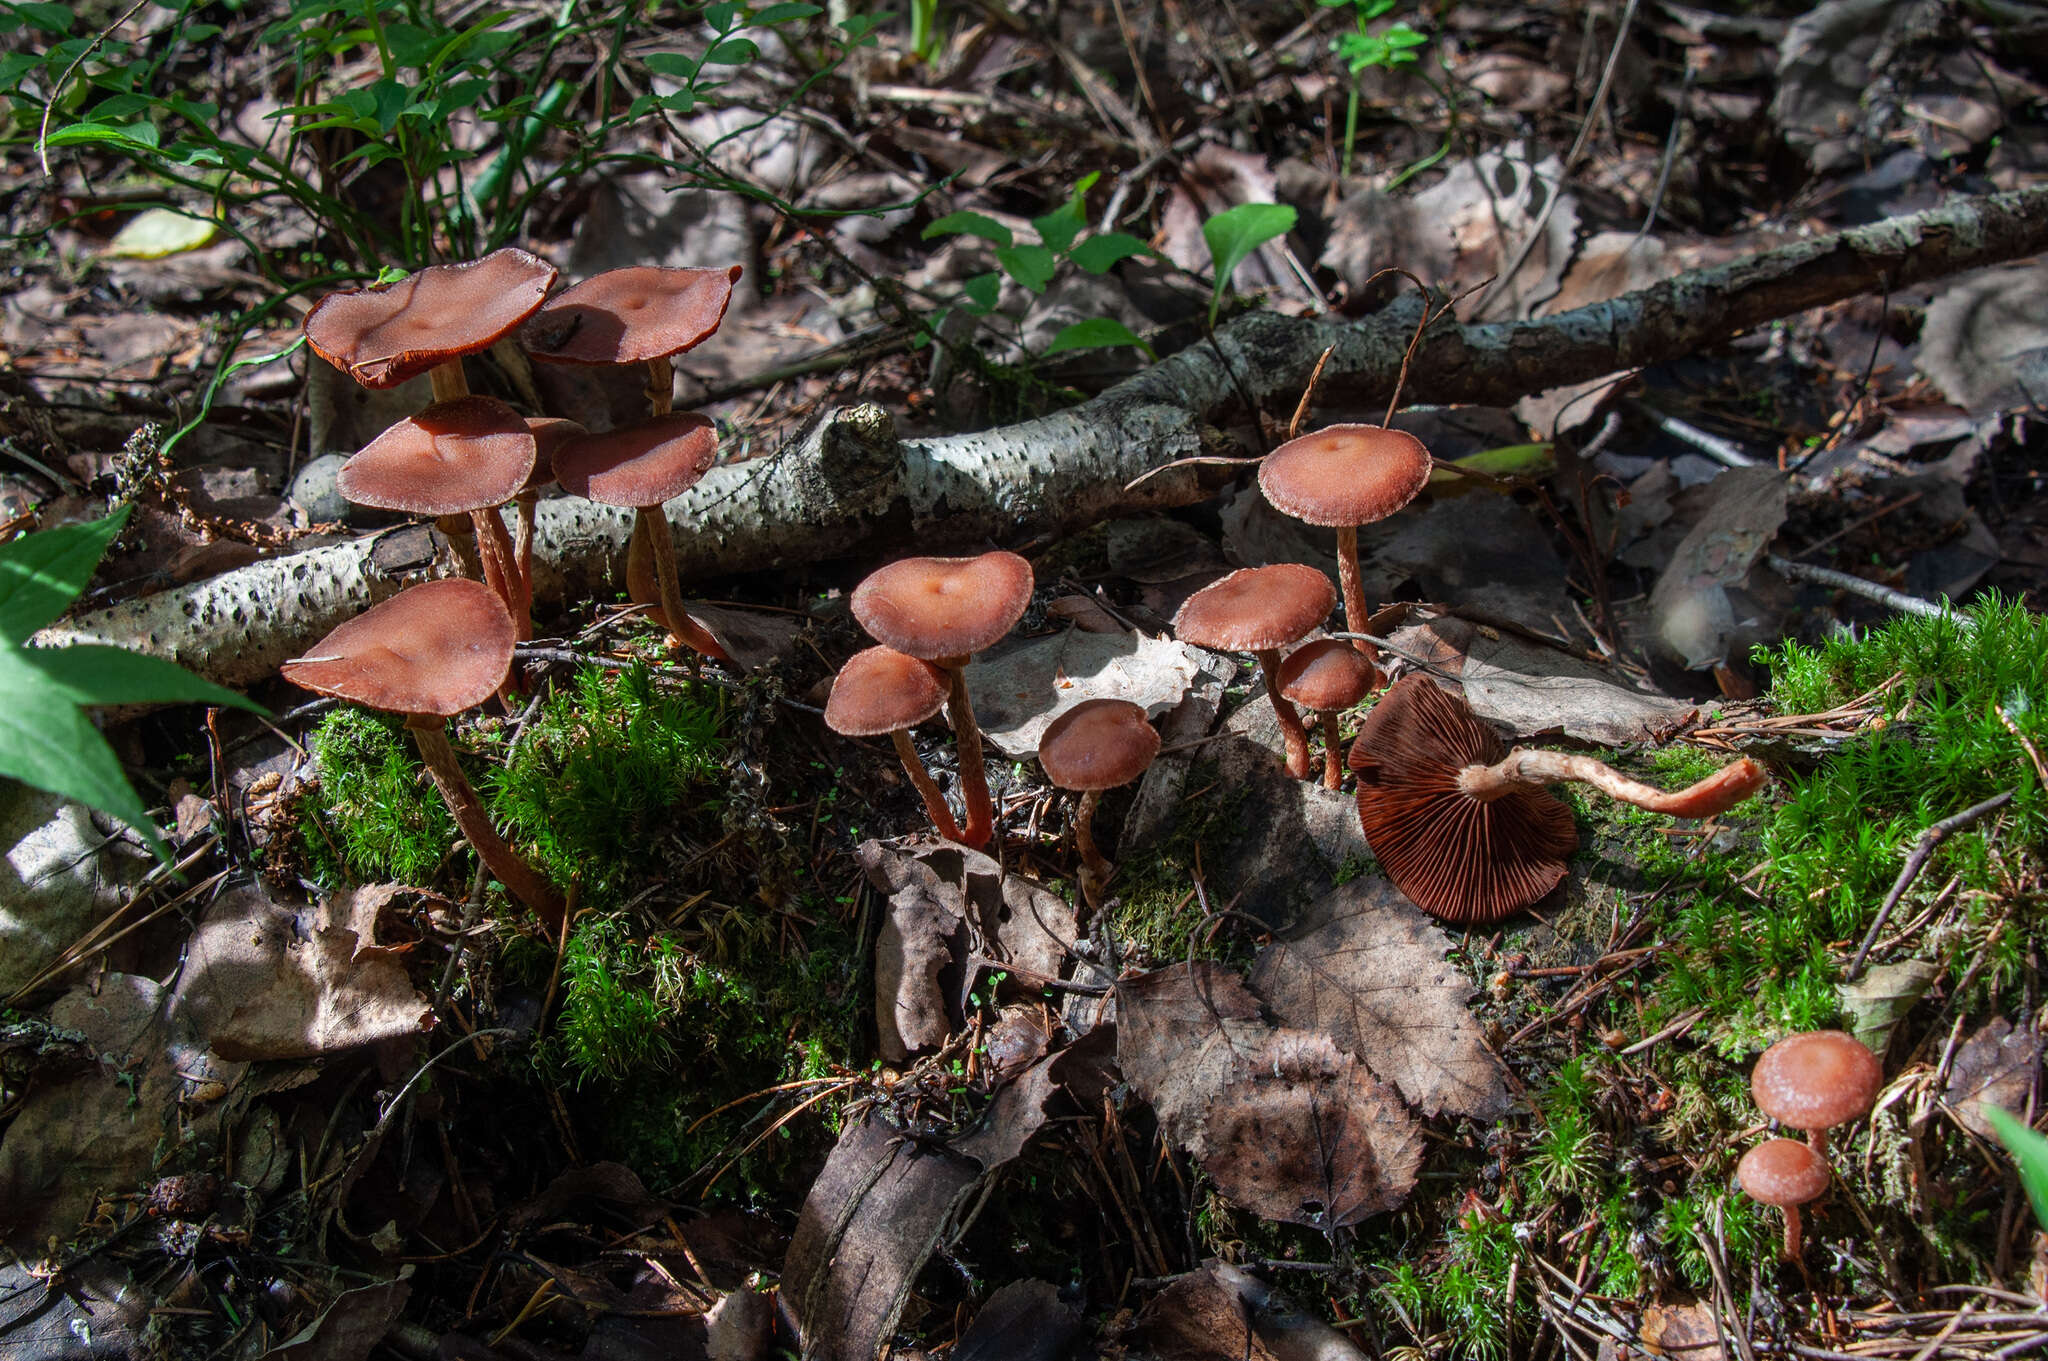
1156 913
375 815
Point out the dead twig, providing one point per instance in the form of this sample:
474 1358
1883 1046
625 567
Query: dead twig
1923 850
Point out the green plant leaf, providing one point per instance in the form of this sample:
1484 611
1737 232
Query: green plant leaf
982 291
723 15
680 65
1058 228
47 741
1234 234
1099 254
969 224
1096 333
42 573
1031 266
49 18
732 52
95 673
787 13
2028 1148
136 137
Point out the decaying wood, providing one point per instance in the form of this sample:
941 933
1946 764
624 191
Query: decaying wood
847 484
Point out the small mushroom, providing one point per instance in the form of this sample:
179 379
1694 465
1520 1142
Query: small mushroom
1261 610
882 691
1327 677
1464 827
1787 1174
1816 1080
463 457
429 653
641 315
642 467
426 322
943 611
1341 477
1096 745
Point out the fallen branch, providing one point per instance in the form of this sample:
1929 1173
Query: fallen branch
847 483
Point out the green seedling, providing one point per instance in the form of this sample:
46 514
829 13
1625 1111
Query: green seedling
45 738
2029 1150
1232 235
1361 48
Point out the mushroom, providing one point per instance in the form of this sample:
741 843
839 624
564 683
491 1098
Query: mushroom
429 653
1464 827
1327 677
882 691
1261 610
641 315
1816 1080
1787 1174
424 323
943 611
1344 476
642 467
463 457
1096 745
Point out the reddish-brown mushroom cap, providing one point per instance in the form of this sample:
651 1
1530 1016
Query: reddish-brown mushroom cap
1456 857
880 690
438 649
1328 674
1783 1172
452 458
1098 744
549 433
1345 474
1255 609
1816 1080
642 465
630 316
382 335
938 608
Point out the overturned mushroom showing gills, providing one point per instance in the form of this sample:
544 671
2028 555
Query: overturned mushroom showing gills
424 323
462 457
1096 745
1816 1080
1469 834
882 691
1787 1174
429 653
642 467
943 611
641 315
1341 477
1327 677
1261 610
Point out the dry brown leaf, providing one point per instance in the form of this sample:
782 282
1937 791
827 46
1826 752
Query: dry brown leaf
1695 615
350 1327
1997 1066
1683 1332
1367 968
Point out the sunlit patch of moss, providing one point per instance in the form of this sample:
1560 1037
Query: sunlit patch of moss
1157 914
375 815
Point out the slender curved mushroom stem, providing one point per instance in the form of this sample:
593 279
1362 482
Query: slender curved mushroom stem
1291 731
449 381
682 629
661 386
522 546
1351 585
1717 793
1791 1233
981 812
522 880
461 536
1333 754
1095 870
927 787
501 568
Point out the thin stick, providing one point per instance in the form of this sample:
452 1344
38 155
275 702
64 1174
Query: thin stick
1923 851
1308 391
1855 585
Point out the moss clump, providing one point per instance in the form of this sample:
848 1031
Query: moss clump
1155 913
375 815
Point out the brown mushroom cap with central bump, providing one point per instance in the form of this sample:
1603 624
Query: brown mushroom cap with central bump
1456 857
880 690
1327 675
642 465
937 608
1783 1172
449 459
1098 744
630 316
1257 609
437 648
1816 1080
382 335
1345 474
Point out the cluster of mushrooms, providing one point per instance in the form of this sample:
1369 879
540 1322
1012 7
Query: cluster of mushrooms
435 650
1809 1082
1460 824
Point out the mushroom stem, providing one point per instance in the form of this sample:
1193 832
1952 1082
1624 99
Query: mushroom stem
1333 754
522 543
500 569
1791 1233
1720 791
934 799
448 380
461 536
522 880
661 386
1352 588
682 629
1817 1140
1291 731
1095 870
981 813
